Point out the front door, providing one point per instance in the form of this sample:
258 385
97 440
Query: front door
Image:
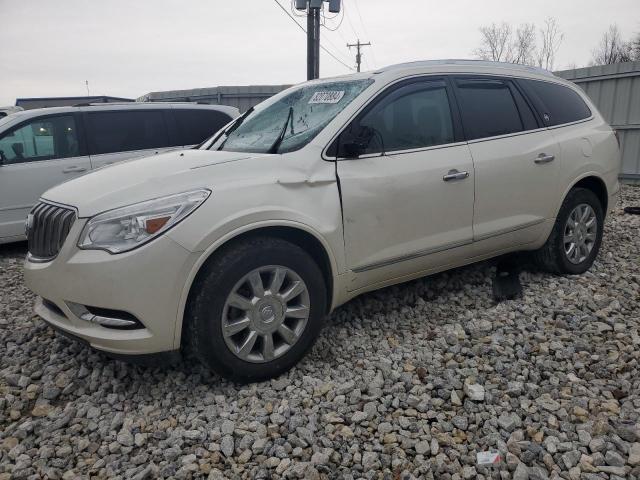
35 156
408 198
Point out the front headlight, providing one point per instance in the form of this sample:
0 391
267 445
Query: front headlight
126 228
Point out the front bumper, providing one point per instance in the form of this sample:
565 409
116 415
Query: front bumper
146 283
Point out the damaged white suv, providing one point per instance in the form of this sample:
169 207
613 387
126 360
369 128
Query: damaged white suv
238 249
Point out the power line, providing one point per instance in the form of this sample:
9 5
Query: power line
305 31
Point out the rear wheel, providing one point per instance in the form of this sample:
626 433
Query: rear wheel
576 237
256 309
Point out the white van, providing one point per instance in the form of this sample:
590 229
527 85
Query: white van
44 147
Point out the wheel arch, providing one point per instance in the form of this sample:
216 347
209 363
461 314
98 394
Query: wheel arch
591 181
296 233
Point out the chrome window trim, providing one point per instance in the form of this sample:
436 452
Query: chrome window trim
36 162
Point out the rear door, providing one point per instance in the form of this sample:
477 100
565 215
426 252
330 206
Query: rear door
516 159
116 135
408 199
36 155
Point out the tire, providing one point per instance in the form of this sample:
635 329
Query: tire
212 310
553 257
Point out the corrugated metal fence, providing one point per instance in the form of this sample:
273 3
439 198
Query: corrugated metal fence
242 97
615 89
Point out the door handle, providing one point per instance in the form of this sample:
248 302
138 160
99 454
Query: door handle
544 158
455 175
74 169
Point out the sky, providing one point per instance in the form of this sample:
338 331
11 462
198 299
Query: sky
129 48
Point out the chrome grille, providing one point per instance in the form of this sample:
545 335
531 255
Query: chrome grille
47 228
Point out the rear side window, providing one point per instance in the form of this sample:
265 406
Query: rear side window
194 126
125 131
488 108
559 104
414 116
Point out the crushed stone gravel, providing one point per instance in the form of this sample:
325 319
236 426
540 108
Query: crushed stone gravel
408 382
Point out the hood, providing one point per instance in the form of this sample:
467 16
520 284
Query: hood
142 179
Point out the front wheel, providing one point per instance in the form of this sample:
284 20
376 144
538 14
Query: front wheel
256 309
576 237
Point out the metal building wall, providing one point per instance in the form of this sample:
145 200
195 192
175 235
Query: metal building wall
242 97
615 89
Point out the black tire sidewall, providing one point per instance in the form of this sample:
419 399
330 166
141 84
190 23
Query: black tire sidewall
575 198
213 289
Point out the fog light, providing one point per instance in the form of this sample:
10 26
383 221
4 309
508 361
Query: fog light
105 317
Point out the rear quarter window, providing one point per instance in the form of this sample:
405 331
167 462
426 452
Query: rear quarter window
558 104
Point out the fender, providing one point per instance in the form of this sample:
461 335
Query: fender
582 176
204 256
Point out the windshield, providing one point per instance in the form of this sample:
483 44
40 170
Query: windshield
291 121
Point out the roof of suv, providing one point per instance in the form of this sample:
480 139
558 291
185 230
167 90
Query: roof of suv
468 63
232 111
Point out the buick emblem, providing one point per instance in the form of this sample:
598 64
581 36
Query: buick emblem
28 225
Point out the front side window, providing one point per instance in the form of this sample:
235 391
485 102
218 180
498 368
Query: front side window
42 139
126 131
413 116
488 108
560 104
290 121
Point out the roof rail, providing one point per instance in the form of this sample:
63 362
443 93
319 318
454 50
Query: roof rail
487 63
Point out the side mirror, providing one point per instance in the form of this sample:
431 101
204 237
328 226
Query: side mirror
353 148
355 144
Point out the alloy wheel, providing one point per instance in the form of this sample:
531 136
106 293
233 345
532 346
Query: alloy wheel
265 314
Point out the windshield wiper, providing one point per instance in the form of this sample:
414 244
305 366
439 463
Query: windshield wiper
283 132
235 125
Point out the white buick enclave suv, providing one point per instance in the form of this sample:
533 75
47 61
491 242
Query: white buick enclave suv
237 250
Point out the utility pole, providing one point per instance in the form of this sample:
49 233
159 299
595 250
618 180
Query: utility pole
313 42
358 54
314 8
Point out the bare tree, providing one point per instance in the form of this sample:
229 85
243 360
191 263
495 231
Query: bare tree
612 49
552 37
501 43
635 47
524 45
496 43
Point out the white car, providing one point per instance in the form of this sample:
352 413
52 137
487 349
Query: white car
4 111
239 249
43 147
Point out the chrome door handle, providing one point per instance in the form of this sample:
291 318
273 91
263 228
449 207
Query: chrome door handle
455 175
544 158
74 169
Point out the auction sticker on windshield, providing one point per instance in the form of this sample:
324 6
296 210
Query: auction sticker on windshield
333 96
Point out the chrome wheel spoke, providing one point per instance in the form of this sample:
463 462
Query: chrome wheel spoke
277 279
255 281
268 352
247 345
287 334
238 301
300 311
231 329
293 291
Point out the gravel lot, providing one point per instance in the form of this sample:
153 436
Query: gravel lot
411 381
